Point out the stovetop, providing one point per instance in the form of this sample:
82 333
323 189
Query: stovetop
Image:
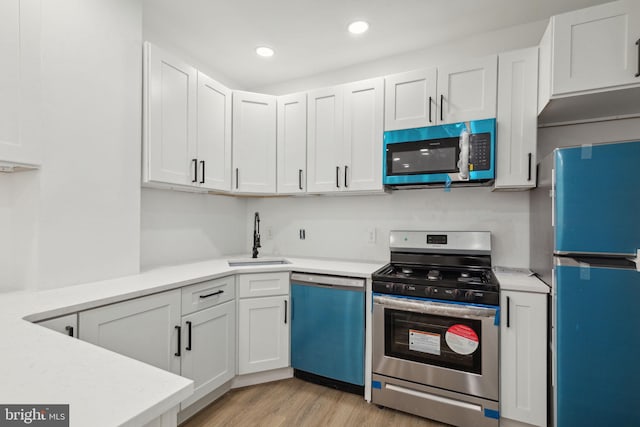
453 283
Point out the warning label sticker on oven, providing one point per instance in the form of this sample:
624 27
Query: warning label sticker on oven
425 342
462 339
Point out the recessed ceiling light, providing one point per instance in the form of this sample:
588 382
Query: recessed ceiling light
264 51
358 27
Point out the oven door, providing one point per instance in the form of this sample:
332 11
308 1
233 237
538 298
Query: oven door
447 345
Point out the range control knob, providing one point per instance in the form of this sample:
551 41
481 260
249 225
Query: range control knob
428 291
470 295
451 293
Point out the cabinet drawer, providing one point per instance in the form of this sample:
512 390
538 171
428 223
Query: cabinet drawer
207 294
263 284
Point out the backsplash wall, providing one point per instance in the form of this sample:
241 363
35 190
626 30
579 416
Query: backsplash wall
339 226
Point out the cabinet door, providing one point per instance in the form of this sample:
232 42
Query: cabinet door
292 143
324 140
20 82
523 357
170 113
596 47
467 91
209 349
410 100
254 142
263 334
517 119
363 117
214 135
144 329
67 325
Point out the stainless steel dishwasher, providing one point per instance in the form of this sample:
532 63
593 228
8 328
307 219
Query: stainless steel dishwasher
327 330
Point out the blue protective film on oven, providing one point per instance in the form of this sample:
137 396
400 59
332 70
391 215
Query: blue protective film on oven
496 322
490 413
376 384
447 184
468 304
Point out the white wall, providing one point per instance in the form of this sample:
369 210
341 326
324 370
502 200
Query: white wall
178 227
77 219
587 133
337 227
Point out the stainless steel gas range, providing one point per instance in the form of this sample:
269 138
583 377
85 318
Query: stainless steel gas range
436 328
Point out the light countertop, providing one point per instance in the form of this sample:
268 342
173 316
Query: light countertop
519 279
41 366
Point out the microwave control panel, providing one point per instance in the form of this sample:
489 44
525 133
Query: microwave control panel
480 151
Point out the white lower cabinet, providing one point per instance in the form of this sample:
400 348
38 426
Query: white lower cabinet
263 323
523 361
208 345
145 329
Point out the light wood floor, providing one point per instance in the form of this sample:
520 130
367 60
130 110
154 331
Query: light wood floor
297 403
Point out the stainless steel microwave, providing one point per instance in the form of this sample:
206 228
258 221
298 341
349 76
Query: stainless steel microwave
453 153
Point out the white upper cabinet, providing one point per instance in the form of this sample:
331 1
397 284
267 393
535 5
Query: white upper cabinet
410 99
213 134
170 113
20 83
344 137
467 91
449 94
363 133
596 47
590 64
254 143
325 129
517 119
292 143
187 129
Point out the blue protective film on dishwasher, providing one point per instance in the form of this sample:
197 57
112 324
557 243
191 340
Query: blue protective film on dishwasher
376 384
490 413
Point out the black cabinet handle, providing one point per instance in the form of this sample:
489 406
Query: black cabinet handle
337 176
188 347
202 172
441 108
529 168
285 312
346 170
69 330
300 179
177 353
430 100
508 312
638 44
236 178
195 170
212 294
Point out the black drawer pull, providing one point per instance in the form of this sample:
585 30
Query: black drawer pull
236 178
441 108
508 312
529 170
337 176
188 347
202 172
430 100
299 179
346 171
69 330
212 294
285 312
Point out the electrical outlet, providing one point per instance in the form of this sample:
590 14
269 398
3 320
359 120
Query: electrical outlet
269 233
371 235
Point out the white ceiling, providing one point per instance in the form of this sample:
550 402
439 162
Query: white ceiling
310 36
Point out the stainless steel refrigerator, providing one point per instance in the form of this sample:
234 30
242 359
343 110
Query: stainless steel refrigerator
585 238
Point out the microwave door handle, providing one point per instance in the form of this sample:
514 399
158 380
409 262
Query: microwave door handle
463 161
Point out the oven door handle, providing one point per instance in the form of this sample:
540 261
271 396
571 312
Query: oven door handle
435 308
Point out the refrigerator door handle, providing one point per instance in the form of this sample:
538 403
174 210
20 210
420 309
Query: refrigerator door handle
636 260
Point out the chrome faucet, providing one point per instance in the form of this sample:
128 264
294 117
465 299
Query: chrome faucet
256 235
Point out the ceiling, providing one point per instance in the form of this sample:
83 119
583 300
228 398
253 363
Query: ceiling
310 36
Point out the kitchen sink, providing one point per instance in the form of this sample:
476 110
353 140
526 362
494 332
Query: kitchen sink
248 262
